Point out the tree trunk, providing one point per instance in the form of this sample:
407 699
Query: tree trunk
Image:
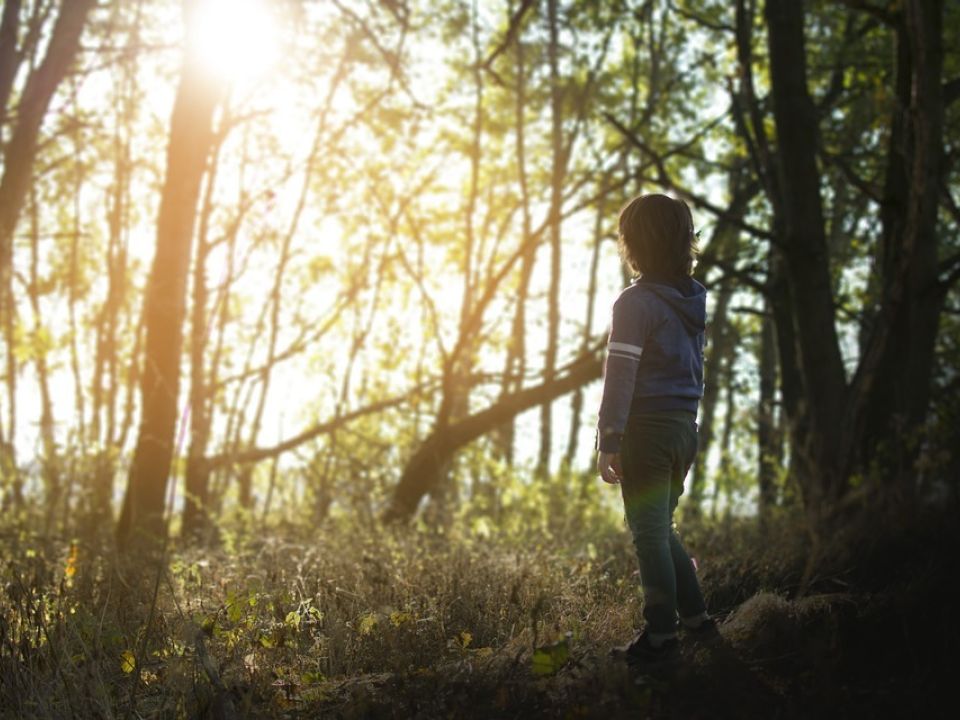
723 250
19 153
576 404
516 362
49 461
805 252
197 475
425 469
105 383
191 137
455 392
718 366
724 481
9 55
34 101
767 435
904 333
554 220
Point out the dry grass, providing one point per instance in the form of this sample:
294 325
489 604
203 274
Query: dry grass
348 623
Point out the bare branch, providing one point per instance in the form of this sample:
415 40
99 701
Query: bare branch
863 185
700 19
744 275
664 178
324 428
881 13
513 29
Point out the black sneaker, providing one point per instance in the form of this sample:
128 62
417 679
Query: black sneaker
640 652
706 631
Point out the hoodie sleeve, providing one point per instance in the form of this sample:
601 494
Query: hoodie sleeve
629 328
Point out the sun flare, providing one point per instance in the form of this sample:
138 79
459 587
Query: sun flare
237 40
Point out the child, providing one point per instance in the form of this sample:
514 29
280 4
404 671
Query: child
647 430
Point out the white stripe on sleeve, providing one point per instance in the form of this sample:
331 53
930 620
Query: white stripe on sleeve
634 351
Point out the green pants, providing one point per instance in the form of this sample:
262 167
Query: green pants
658 449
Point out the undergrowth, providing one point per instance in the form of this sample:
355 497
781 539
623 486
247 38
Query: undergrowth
344 622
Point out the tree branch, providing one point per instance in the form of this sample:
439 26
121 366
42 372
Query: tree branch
664 178
700 20
881 13
513 29
864 186
325 428
424 470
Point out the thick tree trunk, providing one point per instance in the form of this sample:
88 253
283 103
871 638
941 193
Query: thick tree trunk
19 152
9 54
895 375
191 137
34 101
805 252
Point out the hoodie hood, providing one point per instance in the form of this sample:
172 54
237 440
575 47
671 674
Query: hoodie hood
685 296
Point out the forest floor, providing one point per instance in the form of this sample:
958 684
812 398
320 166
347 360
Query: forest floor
353 623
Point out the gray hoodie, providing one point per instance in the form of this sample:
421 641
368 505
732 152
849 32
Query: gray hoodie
654 355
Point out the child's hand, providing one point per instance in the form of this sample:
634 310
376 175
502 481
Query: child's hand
609 466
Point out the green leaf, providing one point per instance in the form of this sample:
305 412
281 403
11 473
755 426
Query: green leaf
312 678
234 607
128 662
548 659
209 625
367 623
398 618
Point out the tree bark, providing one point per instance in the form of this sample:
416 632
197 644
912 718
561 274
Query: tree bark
34 101
191 137
18 156
50 460
805 252
723 249
424 470
9 54
892 385
576 404
515 365
767 436
105 382
197 475
718 365
557 171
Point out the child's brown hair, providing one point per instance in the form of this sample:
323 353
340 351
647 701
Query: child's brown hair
657 236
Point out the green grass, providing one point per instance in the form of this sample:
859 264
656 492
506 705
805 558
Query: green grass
350 622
